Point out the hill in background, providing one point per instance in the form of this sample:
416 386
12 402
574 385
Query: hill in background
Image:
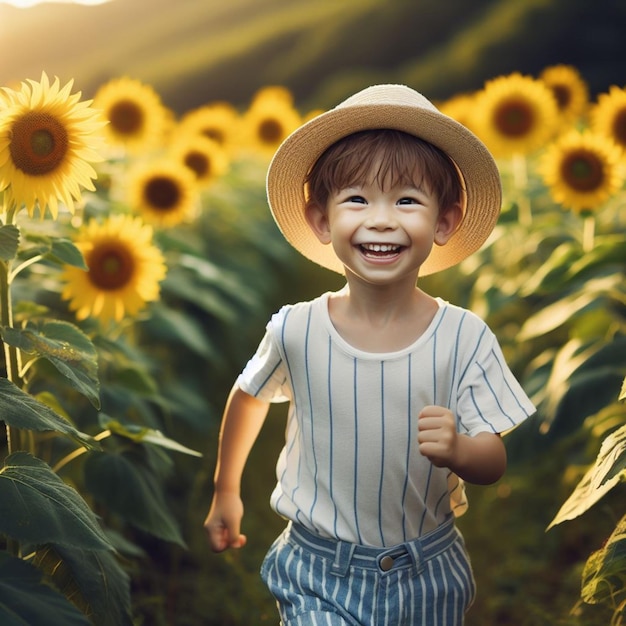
197 51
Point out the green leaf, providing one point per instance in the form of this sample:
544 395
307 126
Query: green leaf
186 287
21 410
67 348
607 471
588 391
607 251
38 507
613 453
9 242
135 379
93 579
139 434
178 326
563 364
622 393
583 380
124 485
65 252
549 276
604 574
25 600
558 313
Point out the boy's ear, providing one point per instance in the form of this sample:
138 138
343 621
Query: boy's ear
447 223
317 219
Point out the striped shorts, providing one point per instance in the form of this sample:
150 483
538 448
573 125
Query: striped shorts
317 581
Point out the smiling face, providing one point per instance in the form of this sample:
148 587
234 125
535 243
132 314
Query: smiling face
382 199
382 235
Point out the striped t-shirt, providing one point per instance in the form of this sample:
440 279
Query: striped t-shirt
351 468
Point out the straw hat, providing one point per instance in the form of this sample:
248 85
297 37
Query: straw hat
393 107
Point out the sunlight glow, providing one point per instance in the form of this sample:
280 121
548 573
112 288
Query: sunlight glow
24 4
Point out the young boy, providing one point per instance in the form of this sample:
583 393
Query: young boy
394 395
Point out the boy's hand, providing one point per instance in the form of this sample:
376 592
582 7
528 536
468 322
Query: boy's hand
437 436
223 522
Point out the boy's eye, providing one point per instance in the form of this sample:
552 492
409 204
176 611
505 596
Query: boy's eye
357 199
407 201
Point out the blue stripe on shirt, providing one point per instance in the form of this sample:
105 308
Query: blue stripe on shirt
331 435
356 454
410 419
382 452
310 394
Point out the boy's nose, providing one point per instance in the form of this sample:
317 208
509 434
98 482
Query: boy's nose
381 217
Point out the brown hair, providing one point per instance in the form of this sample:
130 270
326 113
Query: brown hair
389 158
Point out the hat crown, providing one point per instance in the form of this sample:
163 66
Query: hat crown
384 95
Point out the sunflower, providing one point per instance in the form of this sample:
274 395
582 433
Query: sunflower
515 114
5 98
582 170
608 116
125 269
217 121
270 117
460 108
569 89
206 159
48 138
164 191
138 120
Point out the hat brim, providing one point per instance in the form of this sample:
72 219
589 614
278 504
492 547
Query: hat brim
297 154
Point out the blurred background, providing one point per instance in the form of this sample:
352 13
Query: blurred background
195 51
231 270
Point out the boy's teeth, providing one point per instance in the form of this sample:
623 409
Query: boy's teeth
380 247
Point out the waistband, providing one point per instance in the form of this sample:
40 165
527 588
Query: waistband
344 554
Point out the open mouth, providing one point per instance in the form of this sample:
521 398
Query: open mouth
380 250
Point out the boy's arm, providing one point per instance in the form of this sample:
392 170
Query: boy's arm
243 418
480 460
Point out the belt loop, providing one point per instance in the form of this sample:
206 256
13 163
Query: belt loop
343 557
414 548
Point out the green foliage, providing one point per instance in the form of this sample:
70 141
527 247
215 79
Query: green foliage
66 347
605 473
25 599
27 485
604 576
560 311
87 408
21 410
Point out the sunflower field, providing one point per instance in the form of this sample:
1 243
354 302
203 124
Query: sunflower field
138 266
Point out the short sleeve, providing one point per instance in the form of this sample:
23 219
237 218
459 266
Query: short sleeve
265 375
490 398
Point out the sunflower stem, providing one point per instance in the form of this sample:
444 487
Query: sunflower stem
23 266
12 362
78 452
11 355
10 352
589 232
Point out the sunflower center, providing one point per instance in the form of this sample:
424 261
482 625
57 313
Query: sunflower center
563 96
215 134
39 143
162 193
582 170
111 266
198 163
126 117
514 118
619 128
270 131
